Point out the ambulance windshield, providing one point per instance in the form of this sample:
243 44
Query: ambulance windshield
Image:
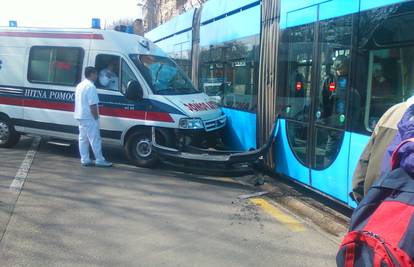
163 75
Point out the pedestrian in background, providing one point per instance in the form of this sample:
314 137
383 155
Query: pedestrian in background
87 114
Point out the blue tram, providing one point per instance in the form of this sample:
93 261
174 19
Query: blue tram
341 64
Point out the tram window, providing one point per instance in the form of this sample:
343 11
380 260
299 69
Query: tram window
229 73
296 56
387 59
327 146
333 86
335 44
396 29
213 81
241 94
299 76
182 57
390 81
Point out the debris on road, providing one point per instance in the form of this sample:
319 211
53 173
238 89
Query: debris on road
257 194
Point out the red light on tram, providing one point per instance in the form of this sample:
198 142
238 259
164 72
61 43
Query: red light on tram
298 86
332 87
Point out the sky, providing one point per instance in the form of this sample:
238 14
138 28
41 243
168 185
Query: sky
66 13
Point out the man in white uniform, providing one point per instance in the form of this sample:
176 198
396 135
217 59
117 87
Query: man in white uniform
108 78
87 114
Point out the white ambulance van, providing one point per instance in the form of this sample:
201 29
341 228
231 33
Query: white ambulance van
40 68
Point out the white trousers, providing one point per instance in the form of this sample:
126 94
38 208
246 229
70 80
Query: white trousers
89 134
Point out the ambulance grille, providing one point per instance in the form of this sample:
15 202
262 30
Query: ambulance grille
215 124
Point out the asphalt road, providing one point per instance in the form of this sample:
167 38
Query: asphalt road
68 215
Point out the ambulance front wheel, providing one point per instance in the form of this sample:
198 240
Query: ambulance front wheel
8 135
139 149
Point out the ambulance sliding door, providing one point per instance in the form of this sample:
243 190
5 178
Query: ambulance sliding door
52 75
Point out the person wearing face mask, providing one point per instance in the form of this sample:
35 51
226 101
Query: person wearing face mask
108 78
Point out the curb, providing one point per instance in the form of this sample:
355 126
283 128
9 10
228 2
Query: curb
326 218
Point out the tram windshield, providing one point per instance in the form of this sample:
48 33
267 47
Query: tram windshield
163 75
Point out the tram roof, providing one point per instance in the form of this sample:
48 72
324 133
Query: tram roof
295 13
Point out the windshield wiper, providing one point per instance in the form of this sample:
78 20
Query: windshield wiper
158 72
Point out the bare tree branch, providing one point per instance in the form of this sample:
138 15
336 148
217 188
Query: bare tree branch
157 12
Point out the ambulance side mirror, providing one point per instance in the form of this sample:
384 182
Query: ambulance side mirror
134 91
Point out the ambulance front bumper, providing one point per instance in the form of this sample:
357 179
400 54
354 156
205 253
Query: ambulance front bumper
227 158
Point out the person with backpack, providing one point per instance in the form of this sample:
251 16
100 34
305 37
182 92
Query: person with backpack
382 226
371 160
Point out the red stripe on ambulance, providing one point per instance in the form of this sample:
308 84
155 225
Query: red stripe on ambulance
136 114
105 111
11 101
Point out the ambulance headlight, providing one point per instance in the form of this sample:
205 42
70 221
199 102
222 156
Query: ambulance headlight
188 123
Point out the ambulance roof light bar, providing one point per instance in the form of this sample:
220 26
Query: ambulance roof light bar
96 23
124 28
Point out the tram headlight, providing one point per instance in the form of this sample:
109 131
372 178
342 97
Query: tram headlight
189 123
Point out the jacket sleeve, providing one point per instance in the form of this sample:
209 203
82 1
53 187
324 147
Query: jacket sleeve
360 173
390 120
358 180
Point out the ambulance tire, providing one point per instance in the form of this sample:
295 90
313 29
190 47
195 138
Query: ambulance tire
139 151
7 128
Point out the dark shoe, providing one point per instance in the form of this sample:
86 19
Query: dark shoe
88 164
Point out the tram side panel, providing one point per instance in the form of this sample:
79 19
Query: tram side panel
229 63
381 75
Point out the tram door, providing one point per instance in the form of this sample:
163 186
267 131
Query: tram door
316 112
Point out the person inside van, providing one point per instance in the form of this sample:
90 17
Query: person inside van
156 71
144 66
107 76
163 75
